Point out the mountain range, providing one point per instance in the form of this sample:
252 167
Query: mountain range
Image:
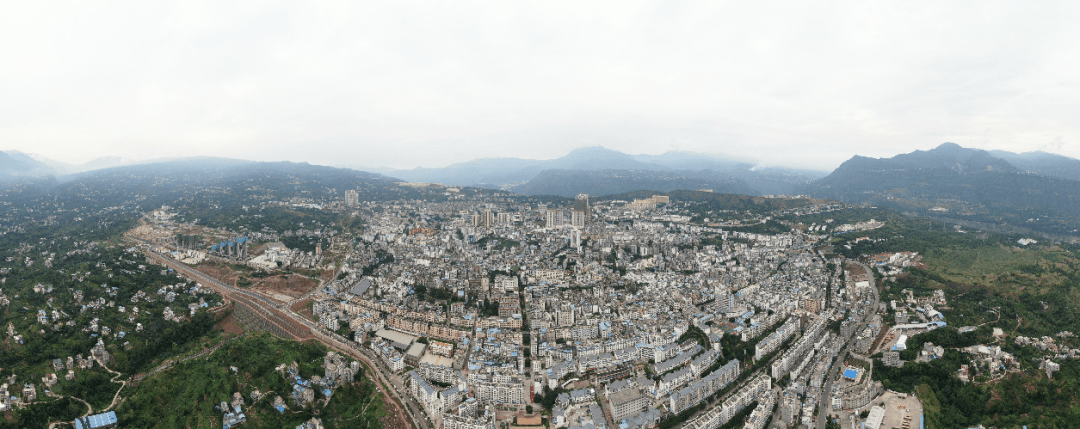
1035 190
16 165
600 171
1039 190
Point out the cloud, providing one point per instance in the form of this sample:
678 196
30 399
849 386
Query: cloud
430 83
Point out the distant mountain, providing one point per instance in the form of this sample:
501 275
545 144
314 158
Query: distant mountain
597 171
599 158
499 172
63 168
946 164
99 163
568 183
1039 162
16 165
957 182
677 160
951 156
366 168
33 165
230 182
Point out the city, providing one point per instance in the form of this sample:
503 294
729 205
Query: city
539 215
592 314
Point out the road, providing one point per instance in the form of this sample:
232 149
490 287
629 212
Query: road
268 314
385 378
834 372
296 327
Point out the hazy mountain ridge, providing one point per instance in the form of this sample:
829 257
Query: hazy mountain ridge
959 182
16 165
496 172
19 165
1044 163
948 171
571 174
568 183
165 181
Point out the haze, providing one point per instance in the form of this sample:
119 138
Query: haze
406 84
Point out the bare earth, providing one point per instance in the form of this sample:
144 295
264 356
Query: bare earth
230 325
303 308
281 287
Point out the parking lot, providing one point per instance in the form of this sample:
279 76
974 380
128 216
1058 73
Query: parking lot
898 406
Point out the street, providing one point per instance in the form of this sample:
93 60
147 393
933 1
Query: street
834 371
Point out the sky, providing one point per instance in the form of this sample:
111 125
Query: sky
405 84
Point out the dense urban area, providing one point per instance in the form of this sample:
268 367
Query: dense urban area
416 305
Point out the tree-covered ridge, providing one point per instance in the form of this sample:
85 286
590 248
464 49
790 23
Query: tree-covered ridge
969 184
66 296
989 281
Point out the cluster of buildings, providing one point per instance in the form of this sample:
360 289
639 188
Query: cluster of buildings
276 255
1049 344
619 308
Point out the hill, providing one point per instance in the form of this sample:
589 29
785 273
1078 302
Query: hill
960 183
188 394
17 166
1039 162
169 180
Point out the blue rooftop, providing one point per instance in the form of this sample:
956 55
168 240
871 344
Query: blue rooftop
96 421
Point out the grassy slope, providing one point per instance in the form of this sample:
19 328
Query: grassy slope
187 395
931 406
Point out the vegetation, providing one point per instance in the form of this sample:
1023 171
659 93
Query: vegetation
187 394
548 397
499 243
41 413
696 334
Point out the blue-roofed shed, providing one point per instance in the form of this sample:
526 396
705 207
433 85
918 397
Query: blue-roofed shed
97 421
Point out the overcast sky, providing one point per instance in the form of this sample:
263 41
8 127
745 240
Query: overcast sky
405 84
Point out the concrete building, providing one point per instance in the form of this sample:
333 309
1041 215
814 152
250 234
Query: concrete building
577 219
891 358
626 403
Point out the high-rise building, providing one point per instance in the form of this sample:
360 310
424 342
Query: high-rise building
352 198
577 218
724 299
564 315
488 219
581 203
553 218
